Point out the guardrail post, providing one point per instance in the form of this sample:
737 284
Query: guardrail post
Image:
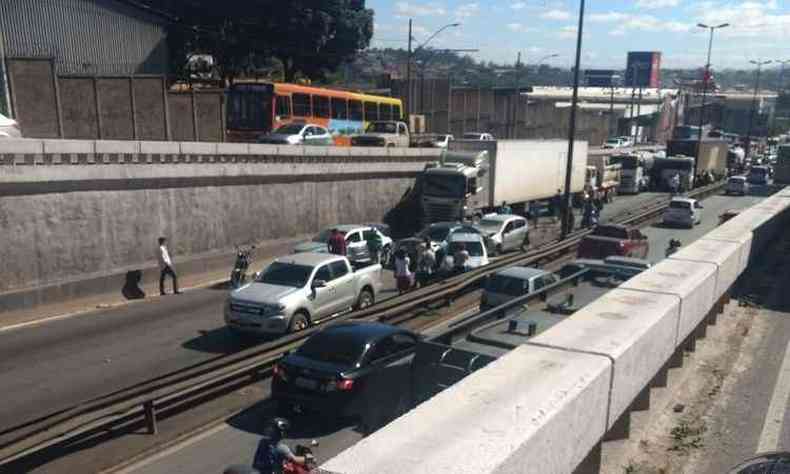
150 416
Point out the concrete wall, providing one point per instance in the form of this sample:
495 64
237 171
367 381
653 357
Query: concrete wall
77 210
576 383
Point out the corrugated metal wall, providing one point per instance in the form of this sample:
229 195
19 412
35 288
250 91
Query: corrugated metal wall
85 36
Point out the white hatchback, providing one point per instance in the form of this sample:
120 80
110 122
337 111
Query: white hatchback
472 243
684 212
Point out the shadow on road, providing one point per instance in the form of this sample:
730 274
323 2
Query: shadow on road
222 341
303 425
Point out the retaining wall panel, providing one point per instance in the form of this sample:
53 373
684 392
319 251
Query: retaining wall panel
636 329
693 283
727 256
477 427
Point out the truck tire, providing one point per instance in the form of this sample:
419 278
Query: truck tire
299 322
365 300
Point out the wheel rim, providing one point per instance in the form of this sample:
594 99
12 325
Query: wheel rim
301 324
366 300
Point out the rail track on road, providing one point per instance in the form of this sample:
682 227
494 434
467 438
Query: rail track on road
183 389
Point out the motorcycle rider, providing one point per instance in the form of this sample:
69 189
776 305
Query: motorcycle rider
673 247
272 451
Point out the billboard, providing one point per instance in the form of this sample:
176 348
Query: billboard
601 78
643 69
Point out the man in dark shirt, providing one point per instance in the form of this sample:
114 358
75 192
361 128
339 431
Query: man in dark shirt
337 243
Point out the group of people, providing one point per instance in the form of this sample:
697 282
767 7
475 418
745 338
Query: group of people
429 264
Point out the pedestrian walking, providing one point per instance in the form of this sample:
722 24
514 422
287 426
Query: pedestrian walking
374 247
461 258
505 209
336 243
403 275
166 267
556 204
426 262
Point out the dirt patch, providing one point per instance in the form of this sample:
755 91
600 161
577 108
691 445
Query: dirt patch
668 438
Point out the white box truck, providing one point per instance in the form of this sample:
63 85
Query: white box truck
474 177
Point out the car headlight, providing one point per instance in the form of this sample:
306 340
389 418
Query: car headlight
272 309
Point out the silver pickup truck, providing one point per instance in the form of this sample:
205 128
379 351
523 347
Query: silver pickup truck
299 290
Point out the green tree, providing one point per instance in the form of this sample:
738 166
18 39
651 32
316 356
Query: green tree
309 37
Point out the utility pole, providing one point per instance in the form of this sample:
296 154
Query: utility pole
567 208
408 76
705 79
518 96
634 120
759 65
611 109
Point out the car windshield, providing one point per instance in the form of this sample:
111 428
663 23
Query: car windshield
323 237
475 249
286 274
289 129
437 233
680 205
613 141
490 225
382 127
507 285
736 180
333 348
759 171
472 136
609 231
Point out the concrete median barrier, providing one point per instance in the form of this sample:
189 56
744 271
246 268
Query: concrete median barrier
64 147
506 418
116 147
694 283
21 146
636 330
198 148
160 148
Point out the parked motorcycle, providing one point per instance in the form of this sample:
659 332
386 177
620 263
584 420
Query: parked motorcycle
238 276
673 247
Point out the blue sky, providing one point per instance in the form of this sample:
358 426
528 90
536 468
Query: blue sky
502 28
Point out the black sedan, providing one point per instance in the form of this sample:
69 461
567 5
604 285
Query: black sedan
355 370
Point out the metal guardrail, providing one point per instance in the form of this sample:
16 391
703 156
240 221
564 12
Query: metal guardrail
142 400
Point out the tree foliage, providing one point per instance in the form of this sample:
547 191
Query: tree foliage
308 37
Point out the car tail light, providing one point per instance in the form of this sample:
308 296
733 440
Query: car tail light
345 384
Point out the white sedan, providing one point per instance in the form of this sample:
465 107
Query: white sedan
684 212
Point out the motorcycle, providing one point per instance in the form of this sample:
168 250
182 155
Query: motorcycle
673 247
294 468
238 276
590 218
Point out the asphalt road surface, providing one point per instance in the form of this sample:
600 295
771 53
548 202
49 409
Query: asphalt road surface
57 364
235 441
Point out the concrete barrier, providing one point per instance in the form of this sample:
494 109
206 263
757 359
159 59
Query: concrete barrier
693 283
160 148
198 148
637 328
478 427
21 146
69 146
117 147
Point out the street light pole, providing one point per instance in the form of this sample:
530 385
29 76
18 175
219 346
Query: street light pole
779 90
705 79
759 65
566 208
411 54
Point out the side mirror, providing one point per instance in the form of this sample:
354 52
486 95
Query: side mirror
318 284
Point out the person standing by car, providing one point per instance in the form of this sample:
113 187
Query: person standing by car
374 247
505 209
336 243
166 268
403 275
461 258
426 262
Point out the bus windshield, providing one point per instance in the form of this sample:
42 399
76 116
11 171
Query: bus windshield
249 107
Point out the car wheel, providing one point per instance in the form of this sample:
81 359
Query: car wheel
365 300
299 322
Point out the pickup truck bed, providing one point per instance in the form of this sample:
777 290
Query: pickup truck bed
608 240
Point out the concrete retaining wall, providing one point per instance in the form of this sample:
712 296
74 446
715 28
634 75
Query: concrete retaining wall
82 211
536 411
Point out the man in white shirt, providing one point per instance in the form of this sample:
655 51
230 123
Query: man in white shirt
166 268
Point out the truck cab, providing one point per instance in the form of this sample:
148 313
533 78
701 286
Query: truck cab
384 133
454 187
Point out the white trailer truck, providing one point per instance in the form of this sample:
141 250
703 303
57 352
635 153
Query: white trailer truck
474 177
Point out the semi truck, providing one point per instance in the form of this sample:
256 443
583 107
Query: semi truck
635 175
782 166
474 177
713 156
603 175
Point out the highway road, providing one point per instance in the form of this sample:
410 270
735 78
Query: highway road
57 364
235 441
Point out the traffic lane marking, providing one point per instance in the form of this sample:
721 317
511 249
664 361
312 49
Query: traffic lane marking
777 409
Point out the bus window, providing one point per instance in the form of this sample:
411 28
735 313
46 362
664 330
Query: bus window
355 110
321 106
371 111
396 112
283 106
385 111
339 109
301 105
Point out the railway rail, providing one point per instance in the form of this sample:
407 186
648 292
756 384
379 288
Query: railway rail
147 401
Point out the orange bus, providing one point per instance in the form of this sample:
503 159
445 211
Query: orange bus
254 109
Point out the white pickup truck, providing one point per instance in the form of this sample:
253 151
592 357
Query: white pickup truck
386 133
299 290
